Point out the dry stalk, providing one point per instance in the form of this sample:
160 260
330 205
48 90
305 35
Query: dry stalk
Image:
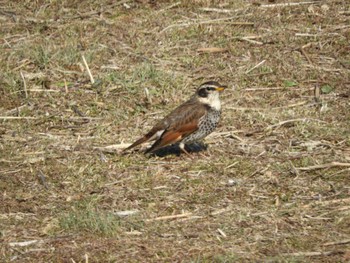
65 86
310 254
169 217
220 10
328 202
92 80
302 50
251 41
113 147
169 7
148 96
17 118
27 62
290 121
273 88
274 108
323 166
340 242
24 84
17 110
256 66
211 21
288 4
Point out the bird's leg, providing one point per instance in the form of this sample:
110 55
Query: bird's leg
182 148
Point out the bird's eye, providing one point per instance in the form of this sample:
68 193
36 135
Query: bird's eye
210 88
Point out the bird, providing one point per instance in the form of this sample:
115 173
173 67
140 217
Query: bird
190 122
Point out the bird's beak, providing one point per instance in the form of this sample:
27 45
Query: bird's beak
221 88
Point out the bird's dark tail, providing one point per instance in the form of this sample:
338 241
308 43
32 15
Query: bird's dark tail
138 142
152 135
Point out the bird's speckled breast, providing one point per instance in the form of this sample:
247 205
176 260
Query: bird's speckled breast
206 125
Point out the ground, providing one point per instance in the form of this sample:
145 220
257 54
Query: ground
272 183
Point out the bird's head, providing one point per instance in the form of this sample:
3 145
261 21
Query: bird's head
208 93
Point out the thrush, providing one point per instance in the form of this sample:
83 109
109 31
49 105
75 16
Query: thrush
190 122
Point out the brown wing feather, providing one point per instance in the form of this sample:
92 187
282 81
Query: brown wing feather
178 124
181 125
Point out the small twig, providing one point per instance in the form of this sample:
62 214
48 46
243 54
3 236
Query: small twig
212 50
290 121
246 109
119 3
57 91
291 105
317 94
36 118
23 243
220 211
310 254
339 172
169 217
16 110
305 35
169 7
25 63
318 217
274 108
77 111
288 4
265 89
226 134
231 165
148 97
341 242
65 86
260 171
24 84
322 166
222 232
211 21
274 88
251 41
328 202
294 170
256 66
92 80
118 182
45 90
219 10
113 147
126 213
81 118
302 50
306 56
17 118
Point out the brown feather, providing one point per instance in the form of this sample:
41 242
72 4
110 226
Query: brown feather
180 128
147 137
169 138
138 142
178 124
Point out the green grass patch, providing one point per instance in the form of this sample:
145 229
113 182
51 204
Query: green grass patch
87 217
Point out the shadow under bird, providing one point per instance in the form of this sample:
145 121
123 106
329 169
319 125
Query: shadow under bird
190 122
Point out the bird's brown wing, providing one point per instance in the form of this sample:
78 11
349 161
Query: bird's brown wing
182 122
176 125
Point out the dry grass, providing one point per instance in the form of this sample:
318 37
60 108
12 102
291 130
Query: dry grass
273 184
